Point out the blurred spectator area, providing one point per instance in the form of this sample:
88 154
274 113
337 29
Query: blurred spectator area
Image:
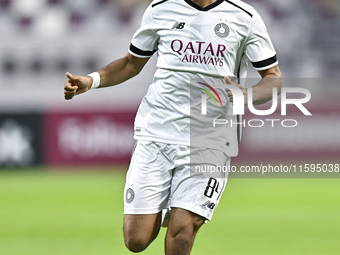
305 34
55 18
42 39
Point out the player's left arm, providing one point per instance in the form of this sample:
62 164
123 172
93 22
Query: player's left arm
263 91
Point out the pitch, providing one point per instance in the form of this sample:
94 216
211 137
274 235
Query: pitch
80 213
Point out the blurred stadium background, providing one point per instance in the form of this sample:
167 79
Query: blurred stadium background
62 163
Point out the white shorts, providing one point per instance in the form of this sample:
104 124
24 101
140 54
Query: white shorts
167 175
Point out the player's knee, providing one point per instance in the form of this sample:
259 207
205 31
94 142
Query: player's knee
184 237
135 244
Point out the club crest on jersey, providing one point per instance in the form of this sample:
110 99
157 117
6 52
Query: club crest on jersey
222 30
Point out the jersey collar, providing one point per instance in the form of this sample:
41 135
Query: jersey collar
207 8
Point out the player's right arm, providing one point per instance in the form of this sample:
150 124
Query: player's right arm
112 74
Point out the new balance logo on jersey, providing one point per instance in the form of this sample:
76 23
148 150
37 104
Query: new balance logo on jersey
209 204
178 25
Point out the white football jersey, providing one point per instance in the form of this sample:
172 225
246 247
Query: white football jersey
196 47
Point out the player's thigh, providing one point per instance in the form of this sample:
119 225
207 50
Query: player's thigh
141 228
198 187
184 220
182 230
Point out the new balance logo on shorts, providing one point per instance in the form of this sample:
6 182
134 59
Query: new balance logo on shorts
178 25
209 204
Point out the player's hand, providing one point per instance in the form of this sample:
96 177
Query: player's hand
230 95
76 85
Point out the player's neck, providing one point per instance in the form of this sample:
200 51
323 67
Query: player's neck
203 3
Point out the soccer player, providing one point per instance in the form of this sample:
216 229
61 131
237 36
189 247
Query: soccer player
200 45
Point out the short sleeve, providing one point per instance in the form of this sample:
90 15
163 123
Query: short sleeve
259 48
144 41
